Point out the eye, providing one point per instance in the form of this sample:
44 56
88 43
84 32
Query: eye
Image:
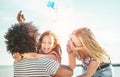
73 43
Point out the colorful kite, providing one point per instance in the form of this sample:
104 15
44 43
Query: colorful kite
51 4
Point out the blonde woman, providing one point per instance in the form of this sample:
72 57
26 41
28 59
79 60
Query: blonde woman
83 46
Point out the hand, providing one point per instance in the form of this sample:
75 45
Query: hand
68 47
20 17
17 57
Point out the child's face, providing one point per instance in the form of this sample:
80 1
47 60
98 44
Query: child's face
47 44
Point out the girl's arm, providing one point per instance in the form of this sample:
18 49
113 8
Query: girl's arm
54 55
17 56
64 71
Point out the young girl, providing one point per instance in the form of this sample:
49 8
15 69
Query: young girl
48 44
83 46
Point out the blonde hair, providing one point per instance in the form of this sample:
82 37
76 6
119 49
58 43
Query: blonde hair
90 44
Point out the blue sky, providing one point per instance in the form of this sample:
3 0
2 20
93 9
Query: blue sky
101 16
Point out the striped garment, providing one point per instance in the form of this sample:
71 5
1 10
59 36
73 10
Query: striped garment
43 67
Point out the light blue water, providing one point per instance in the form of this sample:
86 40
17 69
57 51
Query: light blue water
7 71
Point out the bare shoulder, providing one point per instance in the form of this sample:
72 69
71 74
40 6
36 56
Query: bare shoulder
52 56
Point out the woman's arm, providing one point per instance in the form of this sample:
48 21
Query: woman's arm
71 57
91 69
72 61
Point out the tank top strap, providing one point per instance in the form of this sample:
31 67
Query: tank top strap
57 55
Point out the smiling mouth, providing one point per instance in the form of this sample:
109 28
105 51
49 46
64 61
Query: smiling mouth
46 48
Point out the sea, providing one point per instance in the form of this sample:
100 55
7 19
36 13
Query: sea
7 71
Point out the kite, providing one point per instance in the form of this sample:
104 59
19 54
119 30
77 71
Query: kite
53 9
51 4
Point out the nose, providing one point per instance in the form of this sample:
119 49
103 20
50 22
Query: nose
46 45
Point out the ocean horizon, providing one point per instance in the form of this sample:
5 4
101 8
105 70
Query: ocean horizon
7 70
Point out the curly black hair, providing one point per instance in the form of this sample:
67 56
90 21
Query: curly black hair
21 38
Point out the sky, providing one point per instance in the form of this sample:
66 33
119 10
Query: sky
101 16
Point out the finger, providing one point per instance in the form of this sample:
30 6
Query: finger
23 16
19 13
